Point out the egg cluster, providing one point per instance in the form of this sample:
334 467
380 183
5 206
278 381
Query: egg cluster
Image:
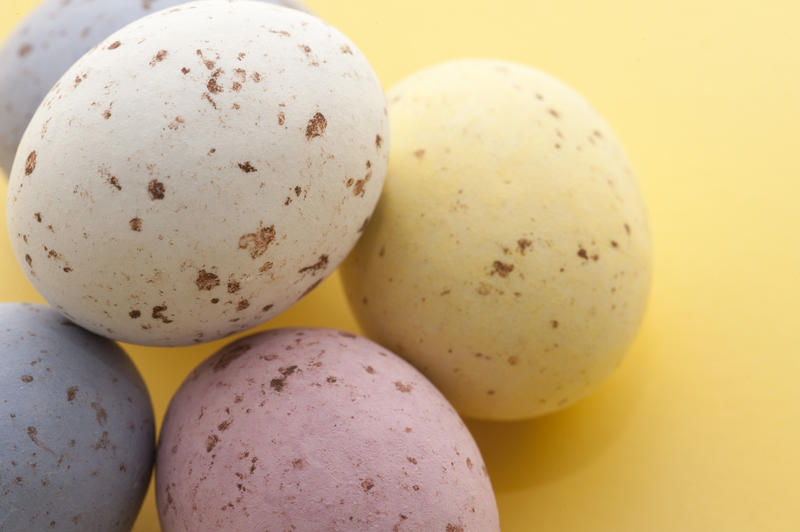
198 171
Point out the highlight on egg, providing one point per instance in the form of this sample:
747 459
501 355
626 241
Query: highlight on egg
314 429
198 172
48 41
509 258
77 436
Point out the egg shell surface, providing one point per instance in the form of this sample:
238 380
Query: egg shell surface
77 437
509 257
199 172
313 429
48 42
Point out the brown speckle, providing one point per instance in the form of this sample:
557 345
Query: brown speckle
242 305
346 49
207 96
297 191
206 280
99 414
114 182
158 57
26 378
316 126
277 384
321 264
378 141
360 186
186 70
71 391
554 113
136 224
176 124
267 308
614 244
369 369
114 45
554 324
158 313
222 427
258 242
412 460
236 86
30 163
311 288
627 227
523 244
233 286
502 269
211 442
405 388
103 442
38 217
582 254
229 355
213 86
281 118
24 50
367 484
135 314
513 361
419 154
107 114
267 266
453 528
156 189
247 168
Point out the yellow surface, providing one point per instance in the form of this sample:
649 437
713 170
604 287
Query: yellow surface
700 428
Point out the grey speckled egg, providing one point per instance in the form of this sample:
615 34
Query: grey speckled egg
48 42
76 427
199 172
310 430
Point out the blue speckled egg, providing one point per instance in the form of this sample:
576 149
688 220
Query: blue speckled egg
77 436
48 42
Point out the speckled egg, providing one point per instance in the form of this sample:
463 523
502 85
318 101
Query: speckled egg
509 257
199 172
312 429
55 35
76 427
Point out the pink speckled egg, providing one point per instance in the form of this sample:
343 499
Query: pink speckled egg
311 430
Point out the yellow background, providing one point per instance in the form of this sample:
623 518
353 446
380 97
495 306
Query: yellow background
700 428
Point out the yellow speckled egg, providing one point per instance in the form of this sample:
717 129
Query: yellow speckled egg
509 257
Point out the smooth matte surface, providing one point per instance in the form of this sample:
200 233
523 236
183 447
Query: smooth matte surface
698 430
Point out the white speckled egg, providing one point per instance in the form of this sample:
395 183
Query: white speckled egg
44 45
77 437
509 257
198 172
311 430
